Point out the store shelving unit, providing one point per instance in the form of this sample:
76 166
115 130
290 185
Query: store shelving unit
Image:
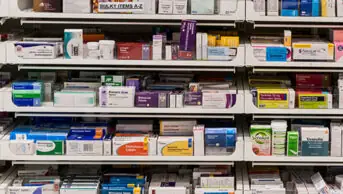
23 9
130 65
237 155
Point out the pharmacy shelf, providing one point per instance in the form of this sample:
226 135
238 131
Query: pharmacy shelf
7 154
253 16
264 66
250 108
47 107
135 65
250 156
23 9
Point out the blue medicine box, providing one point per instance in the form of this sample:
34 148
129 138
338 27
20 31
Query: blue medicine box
220 137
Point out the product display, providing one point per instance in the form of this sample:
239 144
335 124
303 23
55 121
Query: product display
49 136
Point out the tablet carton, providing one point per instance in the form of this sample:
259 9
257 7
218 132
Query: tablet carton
336 139
175 146
314 141
134 146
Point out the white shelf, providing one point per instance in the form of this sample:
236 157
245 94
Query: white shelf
296 66
12 58
6 154
254 16
22 9
250 156
47 107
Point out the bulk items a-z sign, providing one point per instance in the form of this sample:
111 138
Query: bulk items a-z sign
120 7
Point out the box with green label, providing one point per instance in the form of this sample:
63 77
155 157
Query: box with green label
50 147
112 80
261 136
292 143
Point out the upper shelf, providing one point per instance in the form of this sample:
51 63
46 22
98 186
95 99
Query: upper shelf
253 16
23 9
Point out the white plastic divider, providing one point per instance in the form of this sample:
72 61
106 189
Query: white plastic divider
237 155
3 51
23 9
253 16
252 61
250 156
47 107
12 58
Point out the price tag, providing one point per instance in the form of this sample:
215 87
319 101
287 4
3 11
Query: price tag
119 7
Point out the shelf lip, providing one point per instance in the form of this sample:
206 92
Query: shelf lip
157 17
298 64
294 19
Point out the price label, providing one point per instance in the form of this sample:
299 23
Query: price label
111 7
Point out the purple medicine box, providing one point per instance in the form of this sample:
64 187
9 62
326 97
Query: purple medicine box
133 82
193 99
188 33
146 99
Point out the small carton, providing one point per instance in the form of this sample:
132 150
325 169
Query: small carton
292 143
261 136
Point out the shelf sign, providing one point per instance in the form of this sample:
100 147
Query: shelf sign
120 7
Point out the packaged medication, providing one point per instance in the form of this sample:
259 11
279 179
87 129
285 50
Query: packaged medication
305 7
118 97
75 98
272 7
112 80
107 49
314 141
73 43
199 142
336 139
227 7
27 93
204 46
165 6
220 141
338 51
180 7
76 6
177 127
261 136
217 181
157 45
199 46
187 44
202 7
175 146
37 50
134 146
292 143
85 142
93 50
314 100
47 5
279 131
221 53
149 6
275 98
313 50
328 8
289 7
260 7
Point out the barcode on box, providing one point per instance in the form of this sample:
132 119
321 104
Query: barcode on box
88 148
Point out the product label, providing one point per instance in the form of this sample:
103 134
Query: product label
50 147
313 101
178 148
261 140
133 148
292 143
272 100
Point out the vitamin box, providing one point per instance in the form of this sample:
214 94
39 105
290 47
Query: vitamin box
261 136
175 146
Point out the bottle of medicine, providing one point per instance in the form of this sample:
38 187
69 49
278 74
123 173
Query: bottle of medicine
107 49
93 50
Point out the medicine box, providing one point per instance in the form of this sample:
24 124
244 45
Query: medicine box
202 7
292 143
27 93
220 141
175 146
134 146
314 141
314 100
118 97
177 127
37 50
165 6
261 137
336 139
199 140
76 6
85 141
219 99
75 98
112 80
73 43
328 8
271 98
313 50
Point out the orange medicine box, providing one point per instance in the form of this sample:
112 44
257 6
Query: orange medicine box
134 145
